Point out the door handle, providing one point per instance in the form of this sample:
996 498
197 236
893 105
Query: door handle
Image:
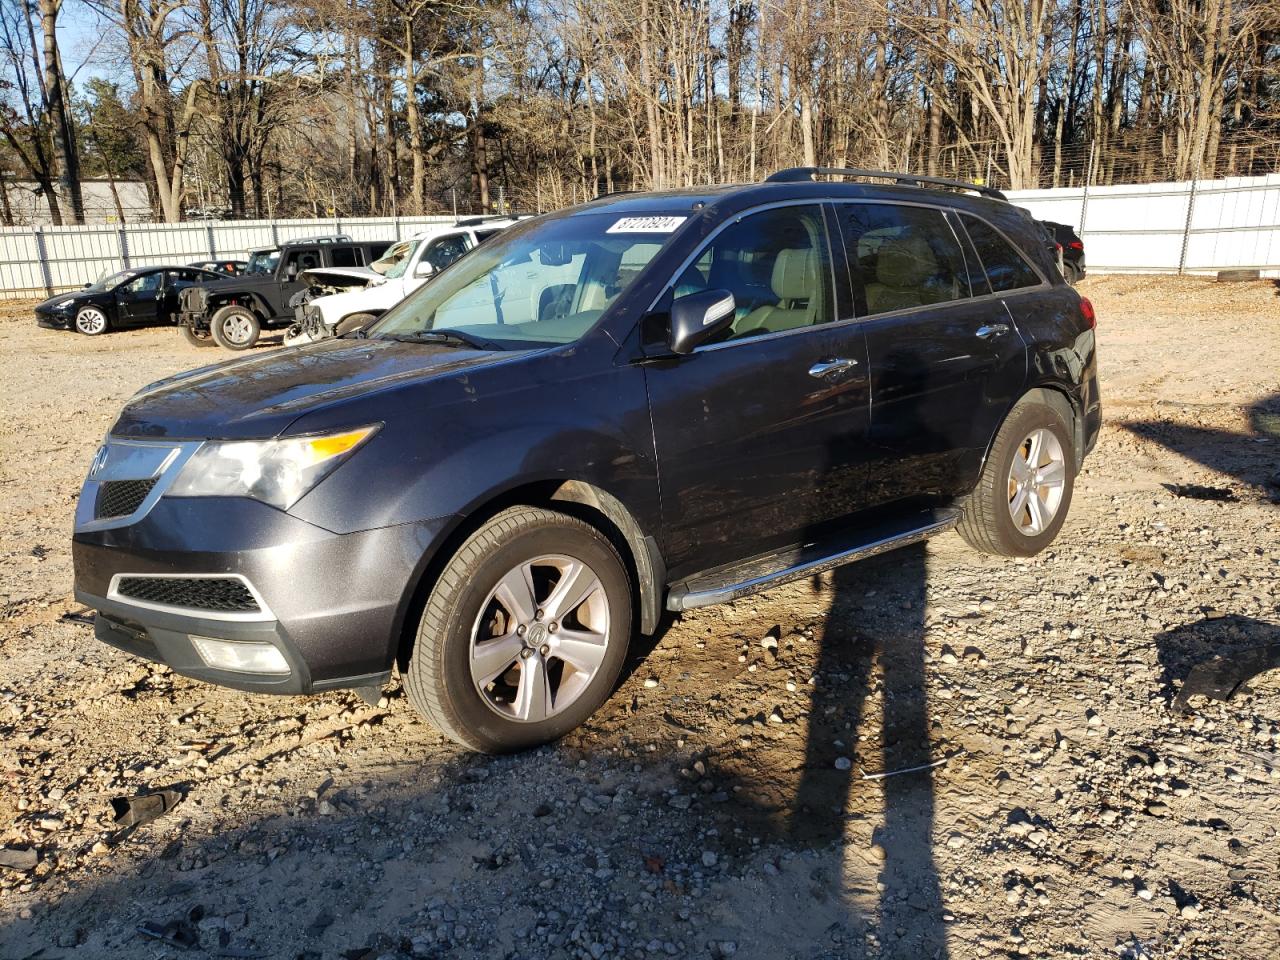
827 369
993 330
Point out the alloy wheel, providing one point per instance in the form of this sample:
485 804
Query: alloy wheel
540 638
1037 479
91 320
237 329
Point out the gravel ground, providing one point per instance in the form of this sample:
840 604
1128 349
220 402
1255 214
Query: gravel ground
723 802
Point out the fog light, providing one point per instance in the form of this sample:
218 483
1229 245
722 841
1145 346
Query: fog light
239 656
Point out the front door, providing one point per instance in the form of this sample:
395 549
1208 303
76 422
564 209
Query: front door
760 435
139 299
946 362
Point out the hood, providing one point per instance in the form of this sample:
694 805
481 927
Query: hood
338 276
259 397
55 302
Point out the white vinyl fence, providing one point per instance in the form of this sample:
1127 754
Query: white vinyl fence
42 261
1192 227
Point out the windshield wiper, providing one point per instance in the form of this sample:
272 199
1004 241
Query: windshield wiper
452 337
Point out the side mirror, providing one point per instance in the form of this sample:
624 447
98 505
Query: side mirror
291 271
87 286
695 319
424 269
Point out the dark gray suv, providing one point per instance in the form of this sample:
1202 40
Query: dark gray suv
647 402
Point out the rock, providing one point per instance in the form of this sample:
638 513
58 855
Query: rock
651 682
776 716
709 858
987 606
721 949
843 763
1158 809
587 805
1144 893
18 858
1190 911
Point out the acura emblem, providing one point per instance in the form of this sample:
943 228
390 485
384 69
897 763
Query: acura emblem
99 462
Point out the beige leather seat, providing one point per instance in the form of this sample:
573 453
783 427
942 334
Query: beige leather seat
903 268
796 284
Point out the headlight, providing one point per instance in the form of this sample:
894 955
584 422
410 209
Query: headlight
277 472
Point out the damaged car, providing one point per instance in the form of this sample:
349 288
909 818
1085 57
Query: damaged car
126 298
406 266
641 405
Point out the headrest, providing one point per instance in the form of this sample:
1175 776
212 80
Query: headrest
906 262
795 274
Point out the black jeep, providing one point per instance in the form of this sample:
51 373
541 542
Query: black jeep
234 311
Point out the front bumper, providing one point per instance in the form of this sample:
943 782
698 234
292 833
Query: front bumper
333 604
53 321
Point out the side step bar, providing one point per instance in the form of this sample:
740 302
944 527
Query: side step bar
794 563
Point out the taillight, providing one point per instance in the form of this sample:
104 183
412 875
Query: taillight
1076 244
1058 247
1089 314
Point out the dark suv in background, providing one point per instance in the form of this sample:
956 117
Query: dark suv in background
234 312
649 401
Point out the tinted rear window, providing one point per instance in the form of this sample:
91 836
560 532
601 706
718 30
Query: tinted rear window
1006 269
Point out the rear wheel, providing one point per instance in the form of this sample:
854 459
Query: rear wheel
1022 498
235 327
524 632
92 321
196 337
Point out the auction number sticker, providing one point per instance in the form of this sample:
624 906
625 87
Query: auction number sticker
646 225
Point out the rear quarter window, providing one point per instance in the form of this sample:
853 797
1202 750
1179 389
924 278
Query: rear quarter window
1005 267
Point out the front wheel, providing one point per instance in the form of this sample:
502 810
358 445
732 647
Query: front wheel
524 632
1022 498
235 327
92 321
357 321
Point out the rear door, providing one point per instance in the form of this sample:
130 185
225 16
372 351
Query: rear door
760 436
945 360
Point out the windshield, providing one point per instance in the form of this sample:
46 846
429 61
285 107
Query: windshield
109 281
263 262
544 284
396 260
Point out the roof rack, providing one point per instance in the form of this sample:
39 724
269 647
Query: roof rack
797 174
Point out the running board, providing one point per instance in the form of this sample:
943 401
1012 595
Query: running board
793 563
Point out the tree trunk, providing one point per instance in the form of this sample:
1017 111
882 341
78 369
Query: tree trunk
64 137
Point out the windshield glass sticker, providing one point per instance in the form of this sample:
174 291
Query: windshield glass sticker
646 225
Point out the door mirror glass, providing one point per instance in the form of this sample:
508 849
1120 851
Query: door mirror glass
698 317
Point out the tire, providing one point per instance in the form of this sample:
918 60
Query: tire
473 597
245 327
92 321
353 322
987 514
197 338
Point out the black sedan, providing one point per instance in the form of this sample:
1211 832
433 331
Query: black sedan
128 298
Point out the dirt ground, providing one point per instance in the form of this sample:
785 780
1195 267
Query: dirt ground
723 802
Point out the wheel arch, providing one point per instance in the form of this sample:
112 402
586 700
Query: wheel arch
578 498
250 301
1056 395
